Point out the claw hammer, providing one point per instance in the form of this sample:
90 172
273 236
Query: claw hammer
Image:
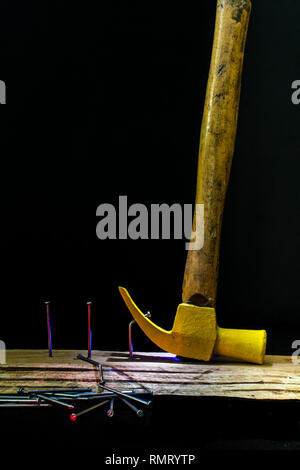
195 333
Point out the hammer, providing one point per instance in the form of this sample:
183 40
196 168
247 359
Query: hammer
195 333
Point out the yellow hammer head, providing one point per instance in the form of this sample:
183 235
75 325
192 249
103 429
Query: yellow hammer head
195 334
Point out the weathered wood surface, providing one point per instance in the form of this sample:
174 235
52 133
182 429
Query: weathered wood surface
160 373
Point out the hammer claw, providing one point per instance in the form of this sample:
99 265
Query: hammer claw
196 335
158 335
193 334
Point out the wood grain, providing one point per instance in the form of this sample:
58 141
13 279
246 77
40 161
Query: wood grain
163 374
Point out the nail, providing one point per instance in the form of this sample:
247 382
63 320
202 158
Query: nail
94 363
148 314
56 402
130 338
121 394
18 400
89 330
64 395
74 416
111 412
94 396
53 390
20 405
49 328
112 389
87 359
138 412
102 381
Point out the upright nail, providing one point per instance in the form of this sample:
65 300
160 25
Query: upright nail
130 338
89 330
49 328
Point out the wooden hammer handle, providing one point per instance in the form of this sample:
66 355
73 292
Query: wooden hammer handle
216 150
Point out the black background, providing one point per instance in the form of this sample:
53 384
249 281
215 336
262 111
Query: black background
105 99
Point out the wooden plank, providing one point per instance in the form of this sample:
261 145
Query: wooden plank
161 373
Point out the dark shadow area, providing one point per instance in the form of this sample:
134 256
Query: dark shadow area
171 425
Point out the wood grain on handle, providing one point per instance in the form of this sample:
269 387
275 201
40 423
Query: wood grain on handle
216 149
